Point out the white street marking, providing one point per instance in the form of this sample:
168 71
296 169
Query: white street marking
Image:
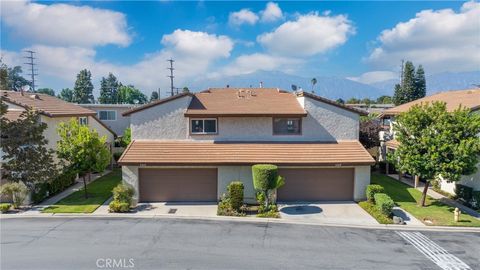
434 252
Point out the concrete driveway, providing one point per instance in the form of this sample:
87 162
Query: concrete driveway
326 212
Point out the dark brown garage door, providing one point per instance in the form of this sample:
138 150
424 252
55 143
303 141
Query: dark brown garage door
157 185
316 185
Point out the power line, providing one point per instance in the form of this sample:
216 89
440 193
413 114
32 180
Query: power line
172 88
33 71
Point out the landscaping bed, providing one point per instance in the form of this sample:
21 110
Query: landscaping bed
99 191
372 209
434 213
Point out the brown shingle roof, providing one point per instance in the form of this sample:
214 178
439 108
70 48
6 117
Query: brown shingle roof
45 104
155 103
242 153
334 103
12 115
469 98
245 102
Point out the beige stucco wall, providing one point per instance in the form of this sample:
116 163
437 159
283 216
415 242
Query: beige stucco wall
130 177
227 174
362 180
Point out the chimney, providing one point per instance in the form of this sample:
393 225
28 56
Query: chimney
261 84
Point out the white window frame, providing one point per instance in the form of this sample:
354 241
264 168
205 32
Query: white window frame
114 113
83 120
203 119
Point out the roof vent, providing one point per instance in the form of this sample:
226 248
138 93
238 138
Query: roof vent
34 96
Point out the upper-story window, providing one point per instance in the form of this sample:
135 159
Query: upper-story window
83 120
203 126
107 115
287 126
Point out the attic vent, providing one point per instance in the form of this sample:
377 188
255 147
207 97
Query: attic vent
34 96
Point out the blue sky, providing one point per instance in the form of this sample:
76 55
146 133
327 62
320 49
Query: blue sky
363 41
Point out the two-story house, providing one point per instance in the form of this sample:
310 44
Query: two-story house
469 98
189 147
111 115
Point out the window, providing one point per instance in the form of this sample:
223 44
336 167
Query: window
83 120
203 126
287 126
107 115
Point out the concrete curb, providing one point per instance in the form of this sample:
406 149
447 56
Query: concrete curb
253 220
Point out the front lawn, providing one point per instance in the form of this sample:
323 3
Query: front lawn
98 192
434 213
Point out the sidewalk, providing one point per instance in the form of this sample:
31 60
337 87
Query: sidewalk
432 193
37 209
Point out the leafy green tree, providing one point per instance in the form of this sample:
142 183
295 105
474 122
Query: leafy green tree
435 143
130 95
154 96
83 89
126 137
384 100
83 149
185 90
3 76
15 80
66 94
420 83
313 82
26 156
353 101
109 90
341 101
48 91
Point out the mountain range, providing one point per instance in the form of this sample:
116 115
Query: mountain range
336 87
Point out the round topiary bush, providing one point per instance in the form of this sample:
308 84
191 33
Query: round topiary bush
264 176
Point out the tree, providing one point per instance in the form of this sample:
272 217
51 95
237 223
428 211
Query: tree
82 149
48 91
294 87
15 80
109 90
126 138
130 95
66 94
26 156
369 133
154 96
185 90
83 89
384 100
3 76
314 82
265 178
341 101
437 144
353 101
420 83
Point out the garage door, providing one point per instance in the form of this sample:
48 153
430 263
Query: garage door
316 185
156 185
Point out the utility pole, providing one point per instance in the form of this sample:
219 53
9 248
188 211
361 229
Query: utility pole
158 92
171 76
33 71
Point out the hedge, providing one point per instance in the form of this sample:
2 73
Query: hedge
57 185
264 176
372 190
463 192
384 203
235 193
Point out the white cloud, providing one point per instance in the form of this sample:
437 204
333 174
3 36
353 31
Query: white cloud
65 25
441 40
243 16
194 52
374 76
271 13
249 63
308 35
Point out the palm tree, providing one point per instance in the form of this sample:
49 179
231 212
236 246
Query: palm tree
313 81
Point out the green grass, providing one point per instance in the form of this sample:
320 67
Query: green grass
375 213
436 212
98 192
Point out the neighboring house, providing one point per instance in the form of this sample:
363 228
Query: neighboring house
53 111
189 147
371 108
469 98
111 115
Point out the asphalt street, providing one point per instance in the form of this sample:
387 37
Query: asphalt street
156 243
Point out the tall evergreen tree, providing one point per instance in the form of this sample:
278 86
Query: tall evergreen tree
66 94
408 81
398 95
420 83
109 90
83 89
154 96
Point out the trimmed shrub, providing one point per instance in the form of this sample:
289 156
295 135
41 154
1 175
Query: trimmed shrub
476 199
463 192
123 193
264 176
384 203
225 208
372 190
17 191
4 207
119 207
235 193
